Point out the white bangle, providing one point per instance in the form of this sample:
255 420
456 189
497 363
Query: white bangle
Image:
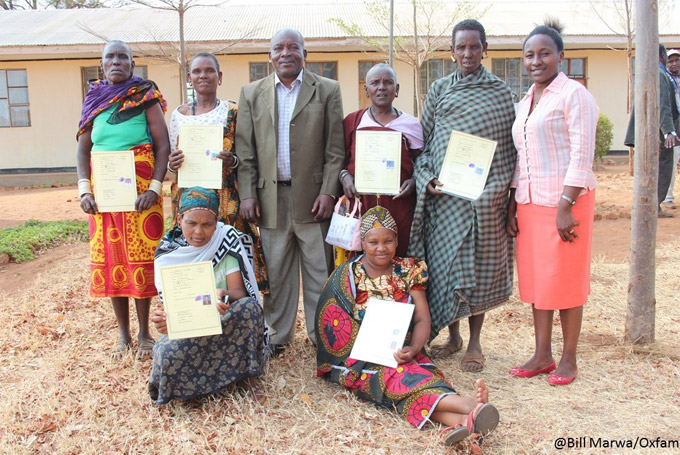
156 186
84 187
171 169
235 165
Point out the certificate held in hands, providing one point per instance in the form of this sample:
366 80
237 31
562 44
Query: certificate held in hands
377 162
114 181
382 332
190 300
466 165
200 144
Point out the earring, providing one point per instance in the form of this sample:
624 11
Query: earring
485 55
453 59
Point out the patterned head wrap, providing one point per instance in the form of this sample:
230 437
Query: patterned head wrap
199 198
377 217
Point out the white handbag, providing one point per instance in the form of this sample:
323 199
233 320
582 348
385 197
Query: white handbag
345 228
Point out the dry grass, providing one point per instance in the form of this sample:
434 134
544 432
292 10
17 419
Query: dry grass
60 392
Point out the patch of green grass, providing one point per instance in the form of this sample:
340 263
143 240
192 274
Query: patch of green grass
22 242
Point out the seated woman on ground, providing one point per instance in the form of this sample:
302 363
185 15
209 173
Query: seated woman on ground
193 367
416 388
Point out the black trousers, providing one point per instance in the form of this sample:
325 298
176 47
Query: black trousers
665 172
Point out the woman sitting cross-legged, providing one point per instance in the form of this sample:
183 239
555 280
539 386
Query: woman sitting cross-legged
416 388
193 367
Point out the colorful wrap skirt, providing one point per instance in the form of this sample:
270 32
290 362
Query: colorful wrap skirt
122 244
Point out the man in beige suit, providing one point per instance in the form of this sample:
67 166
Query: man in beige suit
290 145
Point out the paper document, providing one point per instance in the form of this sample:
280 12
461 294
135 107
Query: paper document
466 165
382 332
377 162
114 181
190 300
200 144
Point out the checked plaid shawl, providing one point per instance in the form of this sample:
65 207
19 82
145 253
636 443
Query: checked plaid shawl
464 243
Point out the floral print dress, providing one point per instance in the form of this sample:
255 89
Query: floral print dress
413 389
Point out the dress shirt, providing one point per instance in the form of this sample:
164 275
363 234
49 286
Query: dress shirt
555 143
285 102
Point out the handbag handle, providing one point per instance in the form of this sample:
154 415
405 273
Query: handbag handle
344 200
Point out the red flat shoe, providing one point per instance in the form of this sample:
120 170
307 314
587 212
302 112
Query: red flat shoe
554 379
522 373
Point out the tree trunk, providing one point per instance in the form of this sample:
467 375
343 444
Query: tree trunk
629 56
417 106
641 294
182 53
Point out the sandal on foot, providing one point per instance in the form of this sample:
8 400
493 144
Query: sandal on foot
119 349
484 422
472 359
522 373
441 351
145 349
456 435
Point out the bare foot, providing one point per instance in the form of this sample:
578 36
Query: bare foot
440 351
482 392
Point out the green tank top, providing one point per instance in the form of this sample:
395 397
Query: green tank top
122 136
225 267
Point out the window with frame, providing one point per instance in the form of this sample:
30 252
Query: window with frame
514 73
14 106
92 73
325 69
260 70
434 69
574 68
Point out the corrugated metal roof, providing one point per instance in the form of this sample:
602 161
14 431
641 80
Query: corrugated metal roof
259 22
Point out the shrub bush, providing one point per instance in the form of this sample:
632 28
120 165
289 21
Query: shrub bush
603 137
22 242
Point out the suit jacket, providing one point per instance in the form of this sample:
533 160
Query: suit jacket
317 148
668 111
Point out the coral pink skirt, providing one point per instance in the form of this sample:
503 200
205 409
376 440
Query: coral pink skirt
553 274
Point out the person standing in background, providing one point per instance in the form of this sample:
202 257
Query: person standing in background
668 118
673 68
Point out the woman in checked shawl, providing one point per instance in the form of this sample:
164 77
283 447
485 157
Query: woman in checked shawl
464 242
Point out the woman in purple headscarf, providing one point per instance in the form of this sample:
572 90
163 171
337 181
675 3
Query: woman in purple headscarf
124 112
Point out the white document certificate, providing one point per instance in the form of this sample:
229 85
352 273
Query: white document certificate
200 144
377 162
466 165
114 181
382 332
190 300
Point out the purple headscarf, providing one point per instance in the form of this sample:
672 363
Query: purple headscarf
133 93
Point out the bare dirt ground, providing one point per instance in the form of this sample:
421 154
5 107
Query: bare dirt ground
61 393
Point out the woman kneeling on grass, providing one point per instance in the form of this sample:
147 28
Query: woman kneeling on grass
416 388
194 367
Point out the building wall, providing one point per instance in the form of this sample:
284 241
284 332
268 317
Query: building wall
55 97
